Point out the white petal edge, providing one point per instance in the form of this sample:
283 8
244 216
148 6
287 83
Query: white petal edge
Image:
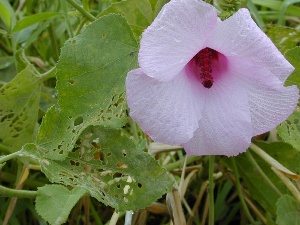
176 35
167 111
240 36
225 128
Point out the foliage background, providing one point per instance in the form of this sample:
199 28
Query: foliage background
64 120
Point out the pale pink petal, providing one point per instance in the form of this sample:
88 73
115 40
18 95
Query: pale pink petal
176 35
270 107
225 128
239 36
167 111
270 102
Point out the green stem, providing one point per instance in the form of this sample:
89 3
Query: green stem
49 74
239 190
81 24
7 192
4 47
211 218
95 214
66 17
257 167
89 16
180 162
8 157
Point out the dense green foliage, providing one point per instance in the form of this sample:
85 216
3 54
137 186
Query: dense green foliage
71 153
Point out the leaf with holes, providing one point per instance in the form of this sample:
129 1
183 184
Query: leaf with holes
91 84
19 104
289 130
54 202
288 211
107 164
139 13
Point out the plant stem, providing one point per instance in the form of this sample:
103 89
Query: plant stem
8 192
271 161
128 217
8 157
114 218
287 183
178 163
211 190
89 16
49 74
239 190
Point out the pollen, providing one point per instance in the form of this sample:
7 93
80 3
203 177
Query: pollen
204 60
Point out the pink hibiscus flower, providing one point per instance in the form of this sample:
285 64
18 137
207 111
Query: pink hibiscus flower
207 84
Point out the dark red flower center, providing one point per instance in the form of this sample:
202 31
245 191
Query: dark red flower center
204 60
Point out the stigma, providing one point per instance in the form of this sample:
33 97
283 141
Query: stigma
204 60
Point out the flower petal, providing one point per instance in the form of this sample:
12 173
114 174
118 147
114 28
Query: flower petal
225 128
239 36
167 111
175 36
270 107
269 101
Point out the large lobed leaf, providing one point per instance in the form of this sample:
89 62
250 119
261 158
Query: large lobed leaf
107 164
91 84
19 103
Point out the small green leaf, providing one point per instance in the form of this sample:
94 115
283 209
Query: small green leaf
6 61
293 57
54 202
91 84
7 14
107 164
30 20
19 103
288 211
289 130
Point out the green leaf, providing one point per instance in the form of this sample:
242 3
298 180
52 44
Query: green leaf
139 13
7 14
288 211
6 61
293 56
30 20
277 5
54 202
289 130
19 103
257 186
91 84
285 38
107 164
